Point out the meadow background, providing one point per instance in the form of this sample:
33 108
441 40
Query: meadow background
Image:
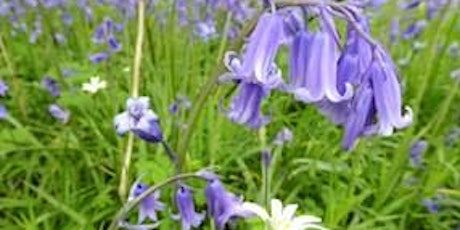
66 176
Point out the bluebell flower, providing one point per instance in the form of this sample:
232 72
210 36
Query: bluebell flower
431 205
52 86
98 57
283 136
257 63
394 30
59 113
416 152
187 214
181 102
414 29
3 111
3 88
67 19
266 156
246 105
114 45
223 205
411 4
149 206
315 69
140 120
206 29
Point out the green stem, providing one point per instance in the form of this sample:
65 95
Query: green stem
133 203
124 181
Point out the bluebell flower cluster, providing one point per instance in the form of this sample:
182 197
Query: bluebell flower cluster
105 35
223 206
355 85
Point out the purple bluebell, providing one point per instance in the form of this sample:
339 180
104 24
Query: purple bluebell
257 63
139 119
359 117
293 22
181 102
59 113
416 152
3 88
314 69
52 86
187 214
67 18
414 29
206 29
283 136
266 158
411 4
59 38
246 105
149 206
223 205
387 94
3 111
98 57
431 205
114 45
452 137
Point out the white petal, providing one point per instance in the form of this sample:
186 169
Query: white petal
306 220
289 212
276 208
256 209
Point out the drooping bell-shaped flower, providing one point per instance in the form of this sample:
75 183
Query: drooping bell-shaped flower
318 54
223 205
3 111
139 119
59 113
416 152
3 88
257 63
359 120
188 216
246 105
149 206
52 86
387 94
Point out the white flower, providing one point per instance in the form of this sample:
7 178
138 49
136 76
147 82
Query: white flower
284 219
94 85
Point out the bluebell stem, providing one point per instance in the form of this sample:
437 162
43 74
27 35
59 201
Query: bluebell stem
149 206
59 113
3 88
3 111
188 216
223 205
140 120
416 152
283 136
52 86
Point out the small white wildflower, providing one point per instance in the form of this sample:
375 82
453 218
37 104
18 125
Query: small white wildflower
284 219
94 85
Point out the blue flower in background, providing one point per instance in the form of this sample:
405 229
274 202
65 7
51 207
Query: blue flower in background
431 205
59 113
3 88
3 111
149 206
140 120
52 86
187 214
416 152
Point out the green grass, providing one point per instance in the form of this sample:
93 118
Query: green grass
56 176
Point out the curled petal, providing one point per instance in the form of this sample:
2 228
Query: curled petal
123 123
